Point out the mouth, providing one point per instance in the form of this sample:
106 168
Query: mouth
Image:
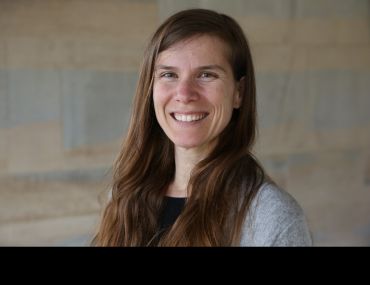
189 117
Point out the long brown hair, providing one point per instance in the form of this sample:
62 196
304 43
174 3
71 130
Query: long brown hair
222 185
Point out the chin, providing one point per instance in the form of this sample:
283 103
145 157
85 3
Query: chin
187 144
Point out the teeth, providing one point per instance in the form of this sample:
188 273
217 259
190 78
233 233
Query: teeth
188 118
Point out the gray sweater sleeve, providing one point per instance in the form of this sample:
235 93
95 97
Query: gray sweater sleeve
275 219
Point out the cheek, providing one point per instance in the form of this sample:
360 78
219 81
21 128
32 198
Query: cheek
224 100
156 95
159 99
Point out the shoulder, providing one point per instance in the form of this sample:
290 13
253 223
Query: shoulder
275 219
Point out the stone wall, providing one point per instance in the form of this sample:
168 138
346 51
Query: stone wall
68 71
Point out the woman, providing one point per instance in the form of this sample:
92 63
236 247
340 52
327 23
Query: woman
185 175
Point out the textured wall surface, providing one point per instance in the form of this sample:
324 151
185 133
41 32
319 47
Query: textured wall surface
68 71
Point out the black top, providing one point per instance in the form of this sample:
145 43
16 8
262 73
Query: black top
171 210
172 207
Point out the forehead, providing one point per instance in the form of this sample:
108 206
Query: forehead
203 48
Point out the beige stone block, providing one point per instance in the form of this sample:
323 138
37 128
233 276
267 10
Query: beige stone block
285 138
37 148
297 138
367 171
3 54
129 20
265 30
36 212
78 18
290 57
31 52
105 55
330 31
48 232
101 35
276 167
329 186
29 199
307 31
353 138
313 31
95 54
352 31
280 57
36 18
92 157
4 150
339 57
330 8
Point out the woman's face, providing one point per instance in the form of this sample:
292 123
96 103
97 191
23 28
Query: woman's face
194 91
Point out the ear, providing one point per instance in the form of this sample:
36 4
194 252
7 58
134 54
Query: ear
239 93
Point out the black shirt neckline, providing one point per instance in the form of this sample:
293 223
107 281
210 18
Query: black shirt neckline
172 208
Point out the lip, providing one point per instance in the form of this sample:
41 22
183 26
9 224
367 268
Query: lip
189 113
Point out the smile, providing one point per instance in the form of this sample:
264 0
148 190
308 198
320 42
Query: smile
192 117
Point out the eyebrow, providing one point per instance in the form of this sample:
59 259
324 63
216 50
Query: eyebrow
203 67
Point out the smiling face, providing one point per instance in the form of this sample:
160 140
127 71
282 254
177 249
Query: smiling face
194 91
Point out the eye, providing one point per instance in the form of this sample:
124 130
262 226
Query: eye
168 75
207 75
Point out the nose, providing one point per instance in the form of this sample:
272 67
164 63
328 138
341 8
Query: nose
186 91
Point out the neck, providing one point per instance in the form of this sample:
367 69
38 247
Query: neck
185 160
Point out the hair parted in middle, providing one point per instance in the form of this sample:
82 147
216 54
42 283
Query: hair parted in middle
221 186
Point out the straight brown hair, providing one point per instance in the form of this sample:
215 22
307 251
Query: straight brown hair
222 185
